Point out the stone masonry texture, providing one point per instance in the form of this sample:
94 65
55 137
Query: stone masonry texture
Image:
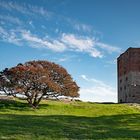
128 68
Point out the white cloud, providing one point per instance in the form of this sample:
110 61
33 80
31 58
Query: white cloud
98 91
77 42
84 77
37 42
83 27
98 94
88 45
64 42
81 44
108 47
62 59
21 37
11 19
39 10
14 6
78 25
93 80
2 31
10 37
25 8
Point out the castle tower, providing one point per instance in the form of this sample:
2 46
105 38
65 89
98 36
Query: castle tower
128 66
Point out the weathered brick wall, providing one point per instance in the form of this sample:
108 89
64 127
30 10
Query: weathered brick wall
129 76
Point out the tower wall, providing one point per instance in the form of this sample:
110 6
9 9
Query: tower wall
128 65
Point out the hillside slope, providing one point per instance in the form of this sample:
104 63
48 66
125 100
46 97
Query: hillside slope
68 120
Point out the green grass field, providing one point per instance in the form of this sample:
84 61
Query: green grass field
74 120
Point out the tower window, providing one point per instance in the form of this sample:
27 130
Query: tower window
125 72
124 87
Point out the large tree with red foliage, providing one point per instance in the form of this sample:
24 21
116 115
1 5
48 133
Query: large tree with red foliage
36 80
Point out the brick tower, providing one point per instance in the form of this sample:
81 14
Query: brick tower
128 65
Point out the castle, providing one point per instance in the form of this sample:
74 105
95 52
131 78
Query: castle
128 67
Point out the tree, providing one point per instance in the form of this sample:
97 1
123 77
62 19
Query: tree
36 80
5 84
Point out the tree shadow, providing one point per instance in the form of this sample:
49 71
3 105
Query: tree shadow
70 127
17 105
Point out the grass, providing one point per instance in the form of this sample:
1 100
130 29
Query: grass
66 121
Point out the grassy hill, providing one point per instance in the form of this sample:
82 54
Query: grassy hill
73 120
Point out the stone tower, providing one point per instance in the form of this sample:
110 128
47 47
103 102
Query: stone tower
128 65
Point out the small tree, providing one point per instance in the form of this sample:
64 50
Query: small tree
38 79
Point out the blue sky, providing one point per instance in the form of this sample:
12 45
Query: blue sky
84 36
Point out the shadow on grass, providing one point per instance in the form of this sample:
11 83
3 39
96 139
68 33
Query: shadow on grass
17 105
71 127
102 103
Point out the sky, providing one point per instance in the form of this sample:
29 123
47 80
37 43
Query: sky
83 36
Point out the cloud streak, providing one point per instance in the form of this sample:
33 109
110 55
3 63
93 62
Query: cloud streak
42 43
34 11
9 37
10 19
97 91
81 44
108 47
79 26
84 27
26 9
64 42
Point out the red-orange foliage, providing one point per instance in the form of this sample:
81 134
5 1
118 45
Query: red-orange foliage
38 79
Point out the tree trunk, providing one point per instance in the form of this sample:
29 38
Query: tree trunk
36 102
30 102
